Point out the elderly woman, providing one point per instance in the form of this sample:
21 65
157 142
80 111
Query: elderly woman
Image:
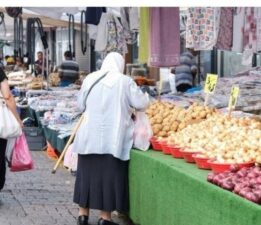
10 102
104 140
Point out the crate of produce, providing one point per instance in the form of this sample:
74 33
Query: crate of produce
35 138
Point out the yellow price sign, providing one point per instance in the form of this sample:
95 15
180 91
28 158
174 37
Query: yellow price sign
233 97
210 83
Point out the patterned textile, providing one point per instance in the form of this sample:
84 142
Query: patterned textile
249 36
116 39
225 35
202 27
258 27
164 36
238 29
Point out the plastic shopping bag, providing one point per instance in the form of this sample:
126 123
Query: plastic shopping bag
21 157
142 132
70 159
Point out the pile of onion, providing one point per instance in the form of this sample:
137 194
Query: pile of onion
245 182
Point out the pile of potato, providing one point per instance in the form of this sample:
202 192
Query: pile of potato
166 118
227 139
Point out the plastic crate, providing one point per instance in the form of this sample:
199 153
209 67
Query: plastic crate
35 138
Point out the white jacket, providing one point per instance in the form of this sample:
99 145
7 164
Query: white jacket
107 127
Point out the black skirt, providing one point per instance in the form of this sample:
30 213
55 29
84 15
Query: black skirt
102 183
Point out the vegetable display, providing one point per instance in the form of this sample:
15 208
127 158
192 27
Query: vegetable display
245 182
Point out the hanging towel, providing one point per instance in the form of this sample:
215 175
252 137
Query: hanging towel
249 36
93 15
102 34
238 29
165 37
144 35
202 27
258 27
225 35
130 22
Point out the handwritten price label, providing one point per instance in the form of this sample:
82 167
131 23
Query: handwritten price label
210 84
233 97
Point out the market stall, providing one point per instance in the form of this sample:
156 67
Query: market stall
168 191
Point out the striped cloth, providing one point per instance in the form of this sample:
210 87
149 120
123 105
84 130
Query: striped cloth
69 71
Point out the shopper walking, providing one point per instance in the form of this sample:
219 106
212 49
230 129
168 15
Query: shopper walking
5 95
104 140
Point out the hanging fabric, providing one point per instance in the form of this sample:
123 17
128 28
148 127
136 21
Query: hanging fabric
110 35
102 34
238 29
93 15
202 27
225 35
71 35
121 41
130 22
249 36
164 36
258 28
84 34
144 35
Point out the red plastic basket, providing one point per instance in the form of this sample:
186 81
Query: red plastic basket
187 155
201 161
155 144
175 151
222 167
165 148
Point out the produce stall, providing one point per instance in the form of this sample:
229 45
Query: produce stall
168 191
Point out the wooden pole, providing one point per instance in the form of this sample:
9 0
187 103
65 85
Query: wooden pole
68 144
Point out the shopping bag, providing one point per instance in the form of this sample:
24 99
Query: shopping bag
9 150
21 157
70 159
142 131
9 126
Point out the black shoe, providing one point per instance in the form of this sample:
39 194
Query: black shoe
82 220
106 222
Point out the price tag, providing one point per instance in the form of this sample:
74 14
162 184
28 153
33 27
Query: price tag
210 83
233 97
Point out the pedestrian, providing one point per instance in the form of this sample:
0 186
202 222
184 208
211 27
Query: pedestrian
104 140
68 70
185 73
5 95
39 63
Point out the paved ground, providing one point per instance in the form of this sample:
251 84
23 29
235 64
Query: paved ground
38 197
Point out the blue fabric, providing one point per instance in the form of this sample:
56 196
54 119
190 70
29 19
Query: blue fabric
65 83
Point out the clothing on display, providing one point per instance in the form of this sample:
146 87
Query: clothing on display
110 35
93 15
165 37
258 27
225 35
238 29
130 21
144 38
202 27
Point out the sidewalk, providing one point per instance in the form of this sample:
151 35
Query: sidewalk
38 197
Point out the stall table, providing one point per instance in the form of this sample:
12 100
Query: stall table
168 191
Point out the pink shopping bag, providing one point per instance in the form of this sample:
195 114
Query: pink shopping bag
21 157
